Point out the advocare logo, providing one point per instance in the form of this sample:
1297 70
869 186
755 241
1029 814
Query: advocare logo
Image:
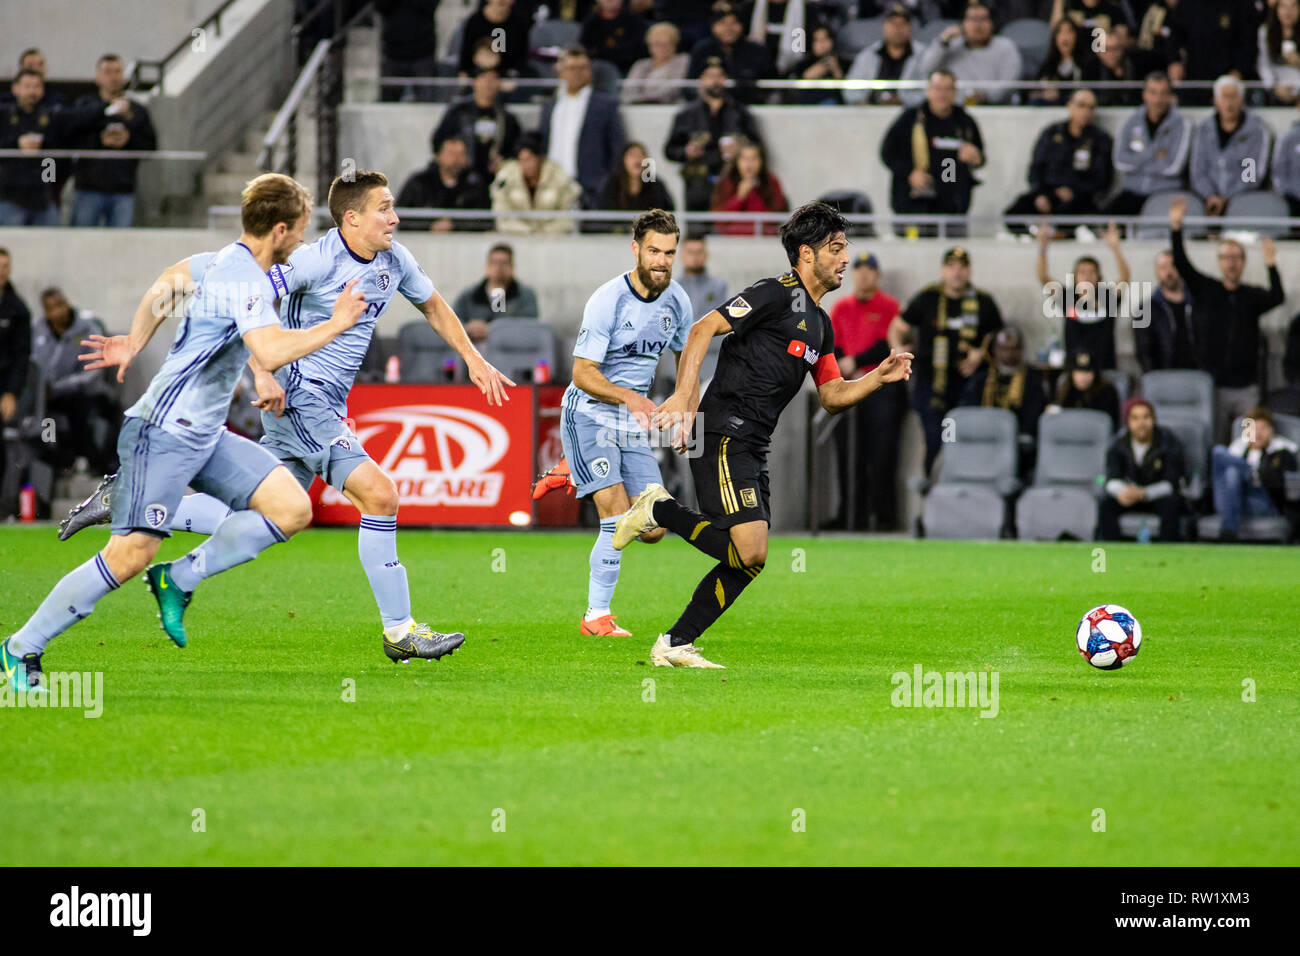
437 455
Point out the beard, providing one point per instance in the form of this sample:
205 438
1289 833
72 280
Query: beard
827 277
648 279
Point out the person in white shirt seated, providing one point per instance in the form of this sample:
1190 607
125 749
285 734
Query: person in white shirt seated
1248 474
1144 467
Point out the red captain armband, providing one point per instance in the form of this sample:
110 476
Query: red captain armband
826 370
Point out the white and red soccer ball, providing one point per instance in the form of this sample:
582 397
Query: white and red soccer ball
1109 636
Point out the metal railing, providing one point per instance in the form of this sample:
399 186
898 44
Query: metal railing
137 78
285 125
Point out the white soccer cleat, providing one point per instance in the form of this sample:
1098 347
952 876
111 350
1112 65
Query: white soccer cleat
664 654
640 518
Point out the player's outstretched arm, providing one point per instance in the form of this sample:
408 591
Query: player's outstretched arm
273 346
165 298
446 323
680 407
837 395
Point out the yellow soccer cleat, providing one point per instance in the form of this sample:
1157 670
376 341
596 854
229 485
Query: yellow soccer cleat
664 654
640 518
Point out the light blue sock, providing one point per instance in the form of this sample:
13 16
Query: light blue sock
377 546
201 514
72 599
604 567
241 537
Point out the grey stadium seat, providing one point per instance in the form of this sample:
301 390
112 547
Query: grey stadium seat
515 346
1287 426
1246 210
977 474
1123 383
1068 476
930 32
423 354
856 35
1033 38
1157 206
1181 393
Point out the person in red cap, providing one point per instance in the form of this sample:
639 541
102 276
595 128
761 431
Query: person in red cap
1143 469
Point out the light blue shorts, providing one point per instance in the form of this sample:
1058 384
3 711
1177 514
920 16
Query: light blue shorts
312 439
600 456
157 466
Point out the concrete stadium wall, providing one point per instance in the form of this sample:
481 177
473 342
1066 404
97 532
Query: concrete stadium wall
74 33
813 149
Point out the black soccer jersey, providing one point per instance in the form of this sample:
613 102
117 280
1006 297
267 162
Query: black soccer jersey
778 336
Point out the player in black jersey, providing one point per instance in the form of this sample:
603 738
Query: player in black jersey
779 333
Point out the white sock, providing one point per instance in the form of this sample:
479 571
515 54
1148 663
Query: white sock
595 612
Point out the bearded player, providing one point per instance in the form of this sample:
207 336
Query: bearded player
779 333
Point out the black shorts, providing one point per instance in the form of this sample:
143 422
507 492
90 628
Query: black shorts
731 481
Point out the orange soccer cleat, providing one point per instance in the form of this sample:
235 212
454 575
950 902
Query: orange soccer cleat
557 477
603 626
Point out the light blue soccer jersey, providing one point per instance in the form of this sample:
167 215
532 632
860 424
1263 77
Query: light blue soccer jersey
627 334
190 396
310 283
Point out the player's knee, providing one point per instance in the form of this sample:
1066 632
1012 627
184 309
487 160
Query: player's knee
128 555
752 556
655 536
381 498
290 512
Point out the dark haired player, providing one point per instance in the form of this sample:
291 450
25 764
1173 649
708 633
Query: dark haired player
779 334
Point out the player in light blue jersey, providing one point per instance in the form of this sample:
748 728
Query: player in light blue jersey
305 403
627 325
175 434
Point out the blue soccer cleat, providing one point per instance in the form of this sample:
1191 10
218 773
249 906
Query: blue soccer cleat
172 601
22 674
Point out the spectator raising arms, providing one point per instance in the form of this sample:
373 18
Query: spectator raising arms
1279 60
633 185
1089 318
530 183
747 185
655 78
1168 338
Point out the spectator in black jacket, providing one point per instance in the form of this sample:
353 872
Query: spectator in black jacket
633 186
1071 167
705 135
26 196
1089 309
1084 386
489 129
1211 38
1291 358
1114 63
497 15
1005 380
1249 475
15 341
446 183
1167 339
1144 466
1225 319
615 34
109 120
408 45
33 59
744 60
933 151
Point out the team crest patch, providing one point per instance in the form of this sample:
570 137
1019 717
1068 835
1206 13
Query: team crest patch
739 309
600 467
343 443
382 280
748 497
665 321
155 515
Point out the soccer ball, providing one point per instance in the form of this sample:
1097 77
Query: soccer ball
1109 637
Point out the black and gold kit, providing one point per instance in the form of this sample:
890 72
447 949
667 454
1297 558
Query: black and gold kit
778 336
946 328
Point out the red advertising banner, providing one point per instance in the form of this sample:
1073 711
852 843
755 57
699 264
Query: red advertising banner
455 459
558 508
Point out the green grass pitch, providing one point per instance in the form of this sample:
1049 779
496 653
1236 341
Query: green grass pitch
533 745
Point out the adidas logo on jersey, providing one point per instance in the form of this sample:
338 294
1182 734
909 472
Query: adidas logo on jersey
625 326
802 326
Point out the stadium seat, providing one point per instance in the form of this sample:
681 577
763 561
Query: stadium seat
856 35
1123 383
1157 206
554 33
852 202
977 475
1070 470
1034 38
1182 393
1246 210
424 355
517 346
1288 426
930 32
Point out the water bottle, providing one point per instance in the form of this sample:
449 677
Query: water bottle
449 370
393 369
542 372
27 503
1144 533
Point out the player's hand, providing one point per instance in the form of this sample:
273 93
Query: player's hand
896 368
676 411
642 409
270 396
107 351
489 381
349 305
